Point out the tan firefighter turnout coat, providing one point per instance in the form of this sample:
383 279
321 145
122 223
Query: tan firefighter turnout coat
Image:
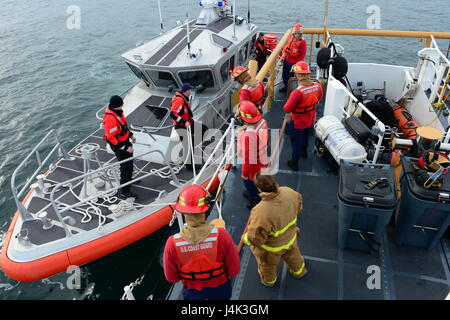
273 221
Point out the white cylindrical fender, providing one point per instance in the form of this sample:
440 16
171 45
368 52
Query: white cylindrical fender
338 140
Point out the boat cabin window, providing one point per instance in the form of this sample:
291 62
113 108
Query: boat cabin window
138 73
227 69
197 78
162 78
243 53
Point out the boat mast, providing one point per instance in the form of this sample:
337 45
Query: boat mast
187 28
248 12
160 17
234 18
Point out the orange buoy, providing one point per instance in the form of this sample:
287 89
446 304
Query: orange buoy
406 123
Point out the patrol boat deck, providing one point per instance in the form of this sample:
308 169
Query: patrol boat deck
334 273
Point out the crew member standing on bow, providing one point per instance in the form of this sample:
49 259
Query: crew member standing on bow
118 137
202 256
180 109
294 52
261 50
302 105
181 113
272 231
252 90
252 148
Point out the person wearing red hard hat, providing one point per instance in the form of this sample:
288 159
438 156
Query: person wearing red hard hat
202 256
302 105
294 52
252 148
252 90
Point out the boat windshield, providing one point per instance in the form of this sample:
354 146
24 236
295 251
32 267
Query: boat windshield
198 77
162 78
138 72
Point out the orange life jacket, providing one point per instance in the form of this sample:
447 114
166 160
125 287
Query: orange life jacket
199 261
118 131
258 140
293 48
256 93
310 100
180 108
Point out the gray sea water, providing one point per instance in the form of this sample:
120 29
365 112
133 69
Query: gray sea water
53 77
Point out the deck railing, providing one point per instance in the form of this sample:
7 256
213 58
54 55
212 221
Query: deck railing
24 213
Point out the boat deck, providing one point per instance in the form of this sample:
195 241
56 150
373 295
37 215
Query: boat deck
334 274
148 189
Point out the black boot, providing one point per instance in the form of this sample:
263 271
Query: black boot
252 204
293 165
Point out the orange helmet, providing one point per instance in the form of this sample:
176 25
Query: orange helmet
301 67
297 28
249 112
193 200
238 71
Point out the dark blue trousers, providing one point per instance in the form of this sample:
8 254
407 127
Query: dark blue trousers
222 292
299 139
287 74
252 189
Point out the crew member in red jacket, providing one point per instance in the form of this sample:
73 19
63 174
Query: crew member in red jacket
202 256
252 148
118 137
261 50
302 105
294 52
252 90
181 113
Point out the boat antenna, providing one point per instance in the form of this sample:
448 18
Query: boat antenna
187 28
234 18
248 13
160 17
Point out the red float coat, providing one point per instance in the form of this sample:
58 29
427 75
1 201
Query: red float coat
252 148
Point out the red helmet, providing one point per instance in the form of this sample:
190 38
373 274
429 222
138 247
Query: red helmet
193 200
301 67
238 71
297 28
249 112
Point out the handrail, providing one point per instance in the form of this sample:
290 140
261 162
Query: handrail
230 127
103 193
25 214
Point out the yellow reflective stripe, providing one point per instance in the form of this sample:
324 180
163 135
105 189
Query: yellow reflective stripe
280 232
271 282
299 270
245 239
182 201
285 247
201 202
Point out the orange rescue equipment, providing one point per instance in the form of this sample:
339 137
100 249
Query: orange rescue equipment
271 41
406 123
199 261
